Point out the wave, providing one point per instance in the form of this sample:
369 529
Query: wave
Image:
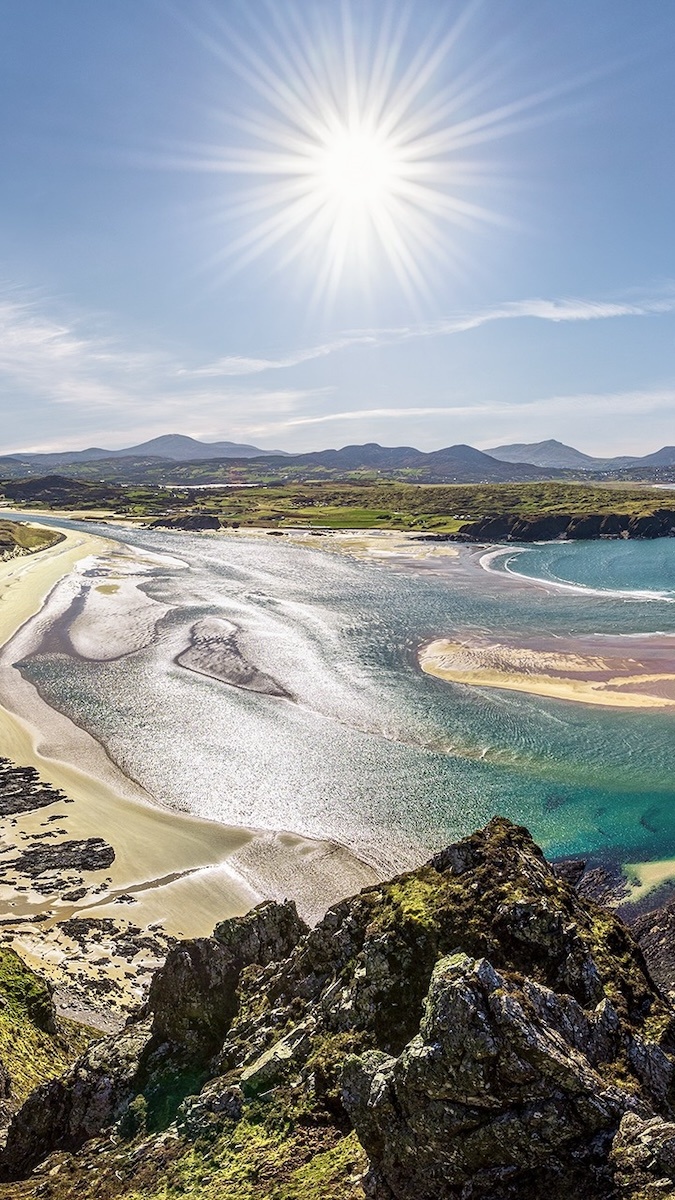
639 594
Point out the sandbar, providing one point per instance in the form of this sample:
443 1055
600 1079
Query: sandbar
616 672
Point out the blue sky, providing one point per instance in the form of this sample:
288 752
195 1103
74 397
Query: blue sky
516 282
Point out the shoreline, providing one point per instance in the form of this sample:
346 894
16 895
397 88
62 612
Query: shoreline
174 869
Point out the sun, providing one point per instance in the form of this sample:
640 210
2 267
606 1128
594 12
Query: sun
351 184
357 173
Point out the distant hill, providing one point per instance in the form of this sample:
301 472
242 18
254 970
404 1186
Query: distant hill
544 454
186 449
179 460
175 447
58 490
665 457
557 454
453 464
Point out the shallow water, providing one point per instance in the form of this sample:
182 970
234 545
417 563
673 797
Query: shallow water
372 752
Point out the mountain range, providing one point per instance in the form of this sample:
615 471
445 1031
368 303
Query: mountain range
177 459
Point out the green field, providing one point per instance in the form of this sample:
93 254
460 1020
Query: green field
436 508
27 538
440 508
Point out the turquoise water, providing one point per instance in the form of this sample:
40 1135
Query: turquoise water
643 571
374 753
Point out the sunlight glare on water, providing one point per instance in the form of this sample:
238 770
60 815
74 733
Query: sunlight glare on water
372 752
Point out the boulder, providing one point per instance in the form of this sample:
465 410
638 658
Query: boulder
502 1092
643 1158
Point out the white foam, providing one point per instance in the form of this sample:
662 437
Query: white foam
639 594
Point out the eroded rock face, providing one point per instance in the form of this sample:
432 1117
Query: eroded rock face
502 1092
514 528
163 1052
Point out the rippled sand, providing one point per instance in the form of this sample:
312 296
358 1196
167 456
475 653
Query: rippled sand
615 672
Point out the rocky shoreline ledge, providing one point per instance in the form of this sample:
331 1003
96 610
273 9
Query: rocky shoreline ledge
477 1028
99 967
571 527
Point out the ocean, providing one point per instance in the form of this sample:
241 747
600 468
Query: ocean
368 750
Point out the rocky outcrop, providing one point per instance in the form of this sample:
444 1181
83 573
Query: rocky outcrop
655 931
190 522
63 1113
193 996
22 790
88 854
484 1030
514 528
503 1092
163 1052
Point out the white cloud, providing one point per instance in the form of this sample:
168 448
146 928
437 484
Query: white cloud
238 365
645 401
367 414
541 309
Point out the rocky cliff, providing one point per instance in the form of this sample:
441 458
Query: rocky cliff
514 528
474 1028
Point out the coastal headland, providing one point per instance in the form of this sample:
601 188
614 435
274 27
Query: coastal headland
474 512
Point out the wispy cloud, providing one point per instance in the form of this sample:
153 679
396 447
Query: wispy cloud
637 403
55 359
99 383
369 414
238 365
540 309
103 386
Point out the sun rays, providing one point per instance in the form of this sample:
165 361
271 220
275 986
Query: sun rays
349 154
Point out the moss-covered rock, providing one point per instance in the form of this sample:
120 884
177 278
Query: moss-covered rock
34 1045
643 1159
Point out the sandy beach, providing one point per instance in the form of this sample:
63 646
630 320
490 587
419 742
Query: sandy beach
615 672
170 868
407 546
